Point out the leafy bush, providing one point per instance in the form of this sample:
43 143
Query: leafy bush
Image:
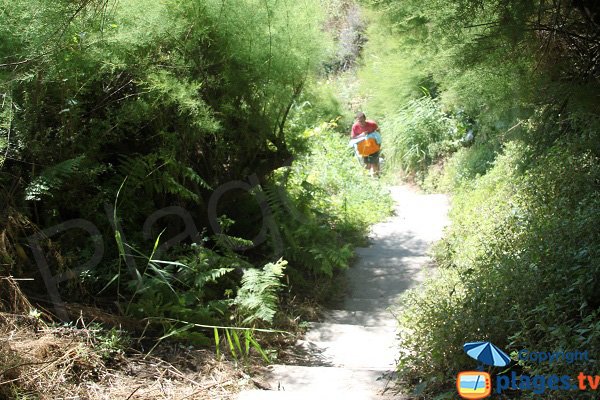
519 264
175 99
179 97
419 134
199 291
461 168
390 75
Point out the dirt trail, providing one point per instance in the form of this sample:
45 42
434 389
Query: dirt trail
351 355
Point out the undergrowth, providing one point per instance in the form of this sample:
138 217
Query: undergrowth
319 208
328 204
519 263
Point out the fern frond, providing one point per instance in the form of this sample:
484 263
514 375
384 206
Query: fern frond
210 276
157 174
257 298
190 174
52 178
227 242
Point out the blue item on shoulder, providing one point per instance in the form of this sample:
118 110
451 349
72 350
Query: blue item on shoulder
375 135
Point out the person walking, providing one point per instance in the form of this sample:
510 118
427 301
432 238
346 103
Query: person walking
364 128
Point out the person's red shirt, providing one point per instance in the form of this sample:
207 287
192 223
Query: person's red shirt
357 129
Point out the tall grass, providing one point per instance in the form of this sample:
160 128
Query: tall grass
418 134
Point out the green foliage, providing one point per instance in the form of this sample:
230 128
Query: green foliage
497 60
433 330
257 297
180 97
518 264
181 296
517 261
239 343
161 103
419 134
331 201
183 290
108 343
51 179
174 99
156 175
194 292
319 102
390 74
461 168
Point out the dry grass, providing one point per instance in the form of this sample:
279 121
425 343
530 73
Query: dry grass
78 362
60 364
11 298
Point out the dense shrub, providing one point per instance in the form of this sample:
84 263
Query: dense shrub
518 262
461 168
179 98
419 134
110 111
517 267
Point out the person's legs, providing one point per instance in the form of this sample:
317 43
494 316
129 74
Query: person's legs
370 168
366 162
373 161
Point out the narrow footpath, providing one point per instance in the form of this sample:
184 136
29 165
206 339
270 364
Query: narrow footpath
352 354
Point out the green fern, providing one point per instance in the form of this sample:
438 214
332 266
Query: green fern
210 276
157 174
309 240
257 298
52 178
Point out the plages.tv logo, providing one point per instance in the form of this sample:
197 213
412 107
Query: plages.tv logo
478 384
473 384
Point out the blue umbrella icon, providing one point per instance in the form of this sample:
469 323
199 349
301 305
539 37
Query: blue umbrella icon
487 353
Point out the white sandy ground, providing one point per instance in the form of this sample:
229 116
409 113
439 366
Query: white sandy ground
354 350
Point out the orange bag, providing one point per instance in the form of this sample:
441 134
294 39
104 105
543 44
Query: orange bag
367 147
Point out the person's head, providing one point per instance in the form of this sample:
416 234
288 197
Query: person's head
360 117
